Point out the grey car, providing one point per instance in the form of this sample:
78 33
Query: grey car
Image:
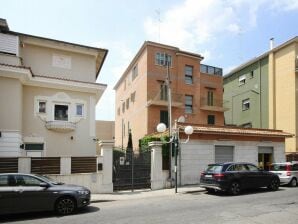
21 193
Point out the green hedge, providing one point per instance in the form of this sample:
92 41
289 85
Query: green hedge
144 144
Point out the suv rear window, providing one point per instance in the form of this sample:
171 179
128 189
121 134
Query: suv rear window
279 167
214 168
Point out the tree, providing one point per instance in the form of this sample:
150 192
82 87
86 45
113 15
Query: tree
129 148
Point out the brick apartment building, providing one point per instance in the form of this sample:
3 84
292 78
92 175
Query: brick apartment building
141 93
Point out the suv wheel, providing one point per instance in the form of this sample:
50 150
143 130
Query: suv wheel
293 182
274 184
65 206
210 190
235 188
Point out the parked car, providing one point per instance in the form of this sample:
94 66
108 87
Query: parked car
287 172
26 193
234 177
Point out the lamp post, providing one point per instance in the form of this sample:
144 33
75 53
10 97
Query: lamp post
188 130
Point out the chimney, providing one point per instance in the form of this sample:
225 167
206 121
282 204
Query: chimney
271 43
3 25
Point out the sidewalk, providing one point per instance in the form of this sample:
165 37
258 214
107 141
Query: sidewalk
144 193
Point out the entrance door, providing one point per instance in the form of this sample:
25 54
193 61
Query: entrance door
265 157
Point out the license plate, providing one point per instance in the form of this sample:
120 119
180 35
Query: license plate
208 176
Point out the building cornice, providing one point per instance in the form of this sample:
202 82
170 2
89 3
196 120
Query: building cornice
99 53
154 44
25 75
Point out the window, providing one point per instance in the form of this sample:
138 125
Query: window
242 80
251 167
42 106
188 70
134 72
245 104
61 112
79 109
211 119
188 104
123 107
118 111
27 181
3 180
127 103
133 97
252 74
163 59
163 92
34 146
164 117
210 98
203 68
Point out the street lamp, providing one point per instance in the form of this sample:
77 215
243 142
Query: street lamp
188 130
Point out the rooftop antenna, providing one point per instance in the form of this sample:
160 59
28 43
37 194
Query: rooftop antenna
159 22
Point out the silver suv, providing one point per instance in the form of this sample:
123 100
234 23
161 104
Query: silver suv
287 172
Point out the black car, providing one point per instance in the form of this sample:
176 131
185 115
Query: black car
26 193
234 177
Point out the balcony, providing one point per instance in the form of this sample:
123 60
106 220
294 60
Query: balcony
216 105
210 70
162 100
61 126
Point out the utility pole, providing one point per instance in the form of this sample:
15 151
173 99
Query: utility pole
168 84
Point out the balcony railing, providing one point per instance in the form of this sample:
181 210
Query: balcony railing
61 126
210 70
162 100
213 105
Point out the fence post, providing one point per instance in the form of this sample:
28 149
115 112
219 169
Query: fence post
65 165
24 165
157 181
107 166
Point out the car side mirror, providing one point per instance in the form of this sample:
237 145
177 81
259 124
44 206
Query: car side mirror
43 184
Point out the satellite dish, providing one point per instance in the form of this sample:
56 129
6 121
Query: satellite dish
181 119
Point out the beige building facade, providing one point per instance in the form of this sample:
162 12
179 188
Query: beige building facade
48 94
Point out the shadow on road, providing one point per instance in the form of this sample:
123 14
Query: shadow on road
243 192
43 215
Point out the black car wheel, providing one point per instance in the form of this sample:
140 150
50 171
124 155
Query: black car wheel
210 190
274 184
65 206
293 183
235 188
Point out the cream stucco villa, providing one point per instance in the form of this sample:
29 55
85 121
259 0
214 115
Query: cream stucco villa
48 94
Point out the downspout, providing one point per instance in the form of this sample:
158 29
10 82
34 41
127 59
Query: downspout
261 125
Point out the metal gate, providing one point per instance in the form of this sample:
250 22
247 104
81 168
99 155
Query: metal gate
131 170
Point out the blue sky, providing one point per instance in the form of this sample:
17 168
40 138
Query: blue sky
226 32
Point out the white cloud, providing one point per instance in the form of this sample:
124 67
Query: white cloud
195 23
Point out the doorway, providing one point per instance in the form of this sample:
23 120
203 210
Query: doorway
265 157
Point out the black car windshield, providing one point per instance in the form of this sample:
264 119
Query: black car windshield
48 179
214 168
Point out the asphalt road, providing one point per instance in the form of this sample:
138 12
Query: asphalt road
259 206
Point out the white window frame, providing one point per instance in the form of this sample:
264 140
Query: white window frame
42 101
83 112
242 80
245 104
